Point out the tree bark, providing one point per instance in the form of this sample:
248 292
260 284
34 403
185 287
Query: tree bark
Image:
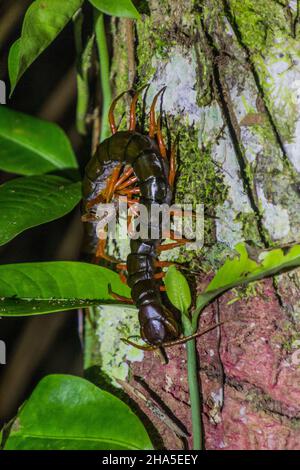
232 71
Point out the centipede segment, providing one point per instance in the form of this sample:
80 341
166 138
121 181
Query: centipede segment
135 165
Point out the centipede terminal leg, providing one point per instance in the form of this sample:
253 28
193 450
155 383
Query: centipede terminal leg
153 125
160 140
132 114
111 117
172 172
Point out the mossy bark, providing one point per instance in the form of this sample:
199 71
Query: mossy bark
232 70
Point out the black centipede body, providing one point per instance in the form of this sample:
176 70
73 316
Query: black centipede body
158 324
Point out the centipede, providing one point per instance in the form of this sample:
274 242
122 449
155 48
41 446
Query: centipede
139 166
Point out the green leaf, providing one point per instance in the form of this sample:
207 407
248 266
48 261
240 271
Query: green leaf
247 266
121 8
34 200
43 21
13 62
35 288
178 289
30 146
69 413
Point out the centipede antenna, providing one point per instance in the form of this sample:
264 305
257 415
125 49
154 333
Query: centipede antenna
139 346
172 343
195 335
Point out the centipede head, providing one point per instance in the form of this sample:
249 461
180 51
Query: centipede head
158 324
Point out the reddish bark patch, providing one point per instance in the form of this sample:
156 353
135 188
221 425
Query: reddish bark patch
262 381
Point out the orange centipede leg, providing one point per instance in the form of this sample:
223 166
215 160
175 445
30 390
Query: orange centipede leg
160 140
122 266
100 252
123 278
112 181
95 200
88 217
101 197
159 275
133 201
152 126
175 236
126 192
121 298
126 174
129 182
169 246
163 264
172 171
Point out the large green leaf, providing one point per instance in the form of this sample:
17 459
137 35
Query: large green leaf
30 146
121 8
35 288
69 413
249 265
34 200
178 289
43 21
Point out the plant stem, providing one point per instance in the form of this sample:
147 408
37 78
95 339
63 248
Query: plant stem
82 85
194 389
104 73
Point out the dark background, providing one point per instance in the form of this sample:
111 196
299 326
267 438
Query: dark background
37 346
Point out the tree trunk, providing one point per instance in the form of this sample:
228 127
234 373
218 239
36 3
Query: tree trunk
232 71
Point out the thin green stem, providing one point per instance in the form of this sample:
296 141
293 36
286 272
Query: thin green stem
203 299
104 73
193 382
89 337
81 75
